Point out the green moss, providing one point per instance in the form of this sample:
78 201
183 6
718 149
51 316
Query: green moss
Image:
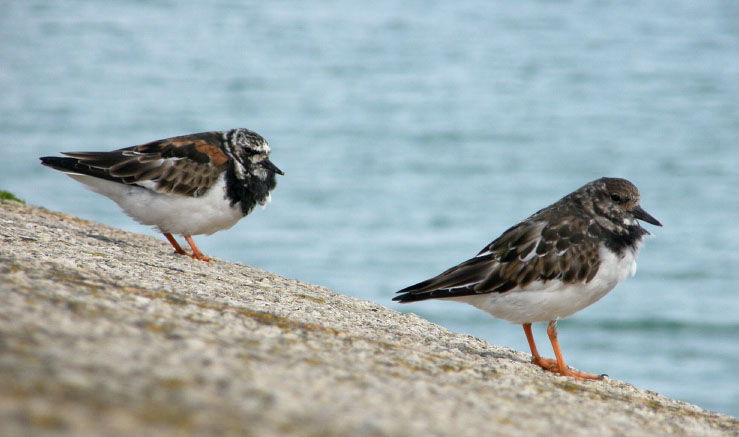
313 362
505 421
163 414
171 383
314 299
158 328
71 277
154 294
98 254
653 404
570 388
6 195
47 421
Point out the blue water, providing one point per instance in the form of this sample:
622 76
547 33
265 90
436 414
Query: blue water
412 134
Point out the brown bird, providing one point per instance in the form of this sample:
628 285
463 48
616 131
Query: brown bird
188 185
558 261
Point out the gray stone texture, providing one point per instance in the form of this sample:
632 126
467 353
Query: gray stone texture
104 332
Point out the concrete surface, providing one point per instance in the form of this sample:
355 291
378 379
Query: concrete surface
104 332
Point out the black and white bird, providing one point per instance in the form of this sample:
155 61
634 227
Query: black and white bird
188 185
551 265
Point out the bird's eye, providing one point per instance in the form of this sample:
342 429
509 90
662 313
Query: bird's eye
615 197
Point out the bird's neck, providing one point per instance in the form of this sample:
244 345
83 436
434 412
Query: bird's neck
626 237
248 188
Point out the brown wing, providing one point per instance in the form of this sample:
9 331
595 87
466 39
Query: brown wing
530 251
566 250
186 165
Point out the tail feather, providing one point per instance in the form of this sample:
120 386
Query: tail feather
441 293
66 165
409 297
457 281
74 166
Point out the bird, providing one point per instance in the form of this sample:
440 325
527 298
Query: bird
556 262
188 185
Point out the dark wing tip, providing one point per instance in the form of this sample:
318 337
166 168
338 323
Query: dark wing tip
415 292
410 297
47 160
402 299
59 163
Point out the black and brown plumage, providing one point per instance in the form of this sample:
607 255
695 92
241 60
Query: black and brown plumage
188 185
560 260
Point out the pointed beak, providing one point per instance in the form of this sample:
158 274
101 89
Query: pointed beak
640 214
266 163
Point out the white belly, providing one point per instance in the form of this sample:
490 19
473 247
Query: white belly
543 302
170 213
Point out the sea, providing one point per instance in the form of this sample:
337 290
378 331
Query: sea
414 133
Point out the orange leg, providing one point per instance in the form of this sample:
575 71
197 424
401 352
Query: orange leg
195 251
563 369
544 363
558 365
177 249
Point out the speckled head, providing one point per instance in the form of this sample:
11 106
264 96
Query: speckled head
250 150
616 200
247 139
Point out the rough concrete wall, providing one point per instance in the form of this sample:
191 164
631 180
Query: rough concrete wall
104 332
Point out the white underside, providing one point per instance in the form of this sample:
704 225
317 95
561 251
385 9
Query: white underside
543 302
170 213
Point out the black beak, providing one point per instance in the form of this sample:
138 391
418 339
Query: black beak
640 214
266 163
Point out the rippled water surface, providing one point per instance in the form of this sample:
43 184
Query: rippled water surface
412 134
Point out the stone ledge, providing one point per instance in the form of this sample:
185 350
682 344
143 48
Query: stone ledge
104 332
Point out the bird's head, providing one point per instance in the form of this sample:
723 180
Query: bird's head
615 202
251 153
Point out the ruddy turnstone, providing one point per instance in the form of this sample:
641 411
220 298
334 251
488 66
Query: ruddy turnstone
556 262
189 185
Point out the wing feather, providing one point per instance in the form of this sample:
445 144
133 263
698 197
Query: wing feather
188 165
533 250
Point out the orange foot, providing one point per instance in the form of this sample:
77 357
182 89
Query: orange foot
552 366
196 254
558 365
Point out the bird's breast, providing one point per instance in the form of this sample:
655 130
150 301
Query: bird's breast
543 301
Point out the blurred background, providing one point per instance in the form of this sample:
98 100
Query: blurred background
412 134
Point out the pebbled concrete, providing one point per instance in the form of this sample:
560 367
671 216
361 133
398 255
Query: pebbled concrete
104 332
